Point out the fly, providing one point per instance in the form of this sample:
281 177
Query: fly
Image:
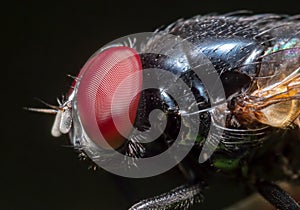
216 88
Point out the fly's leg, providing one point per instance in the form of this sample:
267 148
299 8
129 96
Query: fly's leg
276 196
179 198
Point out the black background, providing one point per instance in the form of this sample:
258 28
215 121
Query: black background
45 41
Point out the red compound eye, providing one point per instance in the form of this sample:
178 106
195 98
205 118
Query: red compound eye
108 92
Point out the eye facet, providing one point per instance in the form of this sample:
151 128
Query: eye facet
99 80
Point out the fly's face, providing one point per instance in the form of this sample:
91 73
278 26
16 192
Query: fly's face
101 113
275 100
63 120
102 94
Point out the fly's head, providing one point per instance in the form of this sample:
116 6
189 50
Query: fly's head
106 97
101 106
274 98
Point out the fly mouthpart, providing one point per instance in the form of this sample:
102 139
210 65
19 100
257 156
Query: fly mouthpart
53 110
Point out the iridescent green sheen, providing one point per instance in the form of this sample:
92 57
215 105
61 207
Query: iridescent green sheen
284 45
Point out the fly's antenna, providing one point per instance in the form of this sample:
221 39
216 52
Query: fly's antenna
72 77
41 110
53 110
